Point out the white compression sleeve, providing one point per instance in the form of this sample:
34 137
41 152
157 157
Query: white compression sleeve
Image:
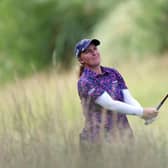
129 99
106 101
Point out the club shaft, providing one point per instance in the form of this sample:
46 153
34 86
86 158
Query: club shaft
161 103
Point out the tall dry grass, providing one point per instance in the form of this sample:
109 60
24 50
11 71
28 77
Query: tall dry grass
41 120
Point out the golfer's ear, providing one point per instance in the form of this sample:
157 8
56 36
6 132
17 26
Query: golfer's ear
80 60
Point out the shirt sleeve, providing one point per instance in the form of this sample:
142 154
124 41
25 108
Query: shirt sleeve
129 99
121 80
106 101
87 89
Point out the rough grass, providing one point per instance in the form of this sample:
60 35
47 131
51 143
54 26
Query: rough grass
41 119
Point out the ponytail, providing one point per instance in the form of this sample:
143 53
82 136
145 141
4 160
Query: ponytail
81 69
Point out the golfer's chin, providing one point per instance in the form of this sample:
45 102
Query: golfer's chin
96 63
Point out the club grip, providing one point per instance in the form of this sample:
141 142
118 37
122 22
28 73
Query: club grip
157 108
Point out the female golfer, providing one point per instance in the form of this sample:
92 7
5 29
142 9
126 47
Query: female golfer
105 98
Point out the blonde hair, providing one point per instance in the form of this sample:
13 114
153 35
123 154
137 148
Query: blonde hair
81 68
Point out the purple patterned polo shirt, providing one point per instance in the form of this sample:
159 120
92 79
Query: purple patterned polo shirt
90 87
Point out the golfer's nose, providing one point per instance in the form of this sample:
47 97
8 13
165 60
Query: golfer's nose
94 52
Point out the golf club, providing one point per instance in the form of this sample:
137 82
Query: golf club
157 108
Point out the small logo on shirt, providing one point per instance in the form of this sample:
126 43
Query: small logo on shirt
115 81
91 91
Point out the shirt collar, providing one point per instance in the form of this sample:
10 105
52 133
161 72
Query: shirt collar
89 73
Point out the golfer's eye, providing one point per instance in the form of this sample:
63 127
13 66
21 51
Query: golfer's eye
87 51
95 48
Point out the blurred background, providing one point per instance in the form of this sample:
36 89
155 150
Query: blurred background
39 102
36 34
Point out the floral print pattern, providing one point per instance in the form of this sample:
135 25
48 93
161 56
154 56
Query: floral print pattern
90 87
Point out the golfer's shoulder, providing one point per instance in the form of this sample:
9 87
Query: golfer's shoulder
111 70
83 81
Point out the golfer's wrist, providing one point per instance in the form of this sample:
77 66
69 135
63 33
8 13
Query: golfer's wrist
141 112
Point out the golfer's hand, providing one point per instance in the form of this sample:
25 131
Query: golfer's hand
149 113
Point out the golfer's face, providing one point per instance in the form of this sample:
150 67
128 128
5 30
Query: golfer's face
91 56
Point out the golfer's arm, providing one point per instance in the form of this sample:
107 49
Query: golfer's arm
106 101
129 99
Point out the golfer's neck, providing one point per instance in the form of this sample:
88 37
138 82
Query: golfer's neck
96 69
